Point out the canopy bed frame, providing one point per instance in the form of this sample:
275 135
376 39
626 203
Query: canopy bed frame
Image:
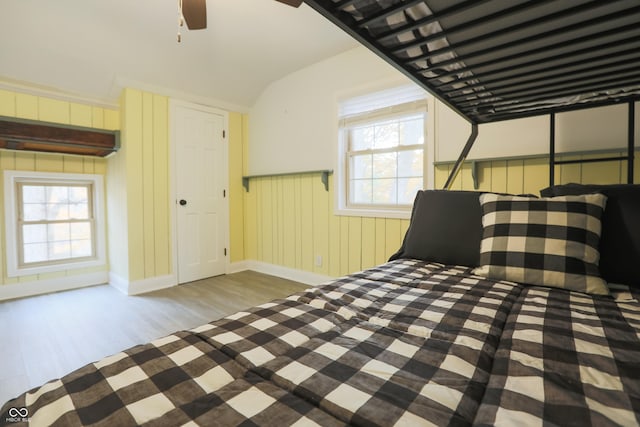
491 61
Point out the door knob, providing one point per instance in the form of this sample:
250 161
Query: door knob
183 202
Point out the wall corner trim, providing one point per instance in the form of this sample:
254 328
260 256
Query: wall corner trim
142 286
236 267
119 283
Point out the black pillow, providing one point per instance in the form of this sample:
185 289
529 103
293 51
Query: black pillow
620 239
446 227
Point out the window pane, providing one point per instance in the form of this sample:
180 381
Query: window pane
80 231
79 211
59 250
412 132
384 191
57 211
361 166
33 194
56 222
57 194
58 232
385 165
35 252
78 195
34 212
361 191
361 138
81 248
387 135
407 189
410 163
34 233
391 171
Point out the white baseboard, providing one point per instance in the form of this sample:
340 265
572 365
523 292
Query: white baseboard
37 287
306 277
119 283
236 267
142 286
25 289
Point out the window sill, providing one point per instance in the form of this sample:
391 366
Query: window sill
12 271
374 213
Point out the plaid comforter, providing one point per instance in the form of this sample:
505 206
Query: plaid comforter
407 343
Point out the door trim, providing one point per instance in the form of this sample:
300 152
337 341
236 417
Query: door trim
173 215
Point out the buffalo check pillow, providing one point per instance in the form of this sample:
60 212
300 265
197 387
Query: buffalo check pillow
548 241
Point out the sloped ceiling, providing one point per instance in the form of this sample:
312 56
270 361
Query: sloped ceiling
92 48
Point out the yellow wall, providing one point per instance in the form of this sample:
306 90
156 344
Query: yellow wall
25 106
289 221
137 177
531 175
140 234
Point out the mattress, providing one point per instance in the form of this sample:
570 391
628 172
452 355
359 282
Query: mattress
405 343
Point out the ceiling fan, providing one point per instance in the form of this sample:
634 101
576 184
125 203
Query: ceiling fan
195 12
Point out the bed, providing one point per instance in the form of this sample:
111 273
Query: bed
497 309
410 342
494 60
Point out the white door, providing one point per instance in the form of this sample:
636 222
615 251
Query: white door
200 200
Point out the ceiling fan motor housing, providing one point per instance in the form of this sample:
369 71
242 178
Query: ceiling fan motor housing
195 14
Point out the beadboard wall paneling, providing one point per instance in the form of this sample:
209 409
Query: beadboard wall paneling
27 106
140 230
290 221
529 176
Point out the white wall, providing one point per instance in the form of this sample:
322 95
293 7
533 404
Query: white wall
584 130
293 124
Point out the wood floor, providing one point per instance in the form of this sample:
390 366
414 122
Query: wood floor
48 336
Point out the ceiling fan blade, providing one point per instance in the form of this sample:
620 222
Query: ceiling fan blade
294 3
195 13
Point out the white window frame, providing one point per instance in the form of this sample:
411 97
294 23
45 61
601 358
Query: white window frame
342 206
11 180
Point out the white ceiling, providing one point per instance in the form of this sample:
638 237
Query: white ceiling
92 48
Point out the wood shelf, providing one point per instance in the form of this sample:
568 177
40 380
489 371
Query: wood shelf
33 135
324 177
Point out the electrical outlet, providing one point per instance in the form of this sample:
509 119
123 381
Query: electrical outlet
318 260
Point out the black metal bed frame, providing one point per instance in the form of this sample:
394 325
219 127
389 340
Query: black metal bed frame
493 60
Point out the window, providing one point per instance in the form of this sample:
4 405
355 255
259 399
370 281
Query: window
53 221
384 161
382 152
